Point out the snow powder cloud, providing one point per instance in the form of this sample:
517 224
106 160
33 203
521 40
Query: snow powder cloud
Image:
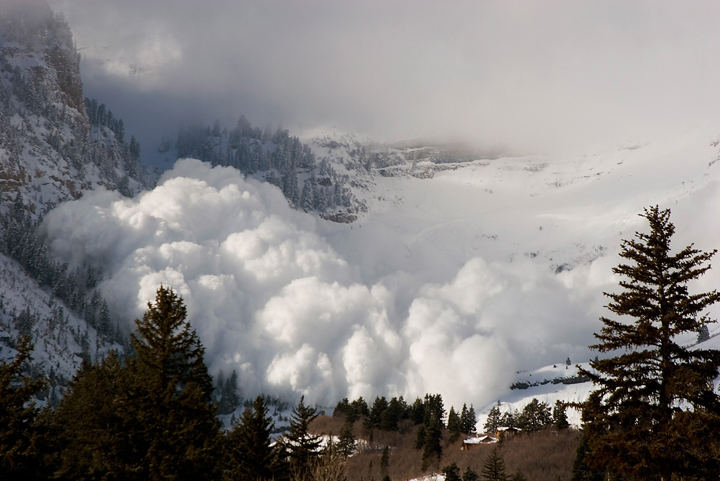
270 298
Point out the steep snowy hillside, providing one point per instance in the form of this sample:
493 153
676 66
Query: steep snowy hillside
62 339
564 212
49 149
52 151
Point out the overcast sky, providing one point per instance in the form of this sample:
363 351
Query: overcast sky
529 75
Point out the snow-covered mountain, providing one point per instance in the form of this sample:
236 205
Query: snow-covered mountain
50 150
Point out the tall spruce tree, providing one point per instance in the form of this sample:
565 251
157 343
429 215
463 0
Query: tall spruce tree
452 472
149 419
346 443
534 416
494 467
654 401
432 448
250 454
453 425
97 426
302 446
494 420
559 416
173 389
468 420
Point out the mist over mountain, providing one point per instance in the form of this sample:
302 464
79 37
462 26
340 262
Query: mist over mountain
553 77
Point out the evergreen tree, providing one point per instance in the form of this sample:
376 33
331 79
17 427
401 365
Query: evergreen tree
703 334
420 438
432 448
97 426
229 398
494 467
452 472
417 412
534 416
470 475
390 417
375 418
20 456
581 471
148 420
346 444
493 420
250 454
359 408
302 446
468 421
307 198
656 392
453 425
385 460
434 410
180 433
559 416
508 419
343 409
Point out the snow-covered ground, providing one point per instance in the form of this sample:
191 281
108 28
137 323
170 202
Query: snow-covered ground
546 386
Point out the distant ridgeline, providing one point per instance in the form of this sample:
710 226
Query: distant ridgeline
274 157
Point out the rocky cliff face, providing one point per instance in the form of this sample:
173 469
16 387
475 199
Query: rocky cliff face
49 149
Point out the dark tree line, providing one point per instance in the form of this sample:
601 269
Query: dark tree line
536 415
101 115
281 158
150 416
427 414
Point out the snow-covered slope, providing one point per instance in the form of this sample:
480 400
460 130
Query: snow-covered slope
49 150
564 212
62 339
561 382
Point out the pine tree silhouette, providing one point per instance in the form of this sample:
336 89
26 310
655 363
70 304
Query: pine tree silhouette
655 392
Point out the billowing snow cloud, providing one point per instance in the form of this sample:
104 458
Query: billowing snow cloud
271 299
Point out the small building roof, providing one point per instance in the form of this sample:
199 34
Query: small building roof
480 440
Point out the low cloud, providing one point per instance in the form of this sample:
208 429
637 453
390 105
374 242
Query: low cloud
532 76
